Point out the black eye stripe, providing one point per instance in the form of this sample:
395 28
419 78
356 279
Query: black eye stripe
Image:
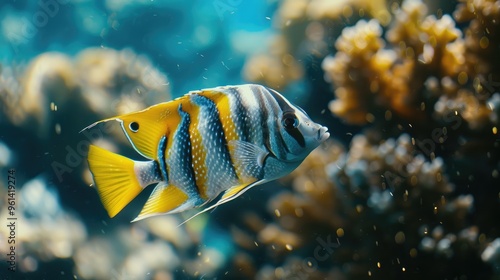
287 109
295 133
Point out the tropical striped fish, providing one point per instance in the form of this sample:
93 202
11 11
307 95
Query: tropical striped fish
225 139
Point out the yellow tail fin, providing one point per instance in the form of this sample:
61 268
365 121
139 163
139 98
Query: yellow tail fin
115 179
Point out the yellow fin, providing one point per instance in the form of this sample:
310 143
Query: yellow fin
234 191
114 177
163 200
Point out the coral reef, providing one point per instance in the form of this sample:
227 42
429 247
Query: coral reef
51 233
111 83
48 231
380 210
304 27
404 199
408 189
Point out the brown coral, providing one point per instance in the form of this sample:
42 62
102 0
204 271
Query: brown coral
111 82
298 23
371 81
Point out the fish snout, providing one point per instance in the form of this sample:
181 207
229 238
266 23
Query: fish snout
323 134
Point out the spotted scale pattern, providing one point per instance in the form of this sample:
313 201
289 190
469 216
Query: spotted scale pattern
147 172
221 173
200 157
179 160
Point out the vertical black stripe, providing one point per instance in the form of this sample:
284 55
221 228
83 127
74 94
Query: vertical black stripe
277 142
220 139
185 150
162 146
297 135
264 116
283 143
274 135
286 107
242 120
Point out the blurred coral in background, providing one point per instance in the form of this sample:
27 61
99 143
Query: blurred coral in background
407 188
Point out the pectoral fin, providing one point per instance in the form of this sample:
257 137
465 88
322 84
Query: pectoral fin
248 158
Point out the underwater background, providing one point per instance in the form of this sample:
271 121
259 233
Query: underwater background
407 187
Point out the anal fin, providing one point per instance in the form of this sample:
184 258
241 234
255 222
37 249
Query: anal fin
228 195
235 191
163 200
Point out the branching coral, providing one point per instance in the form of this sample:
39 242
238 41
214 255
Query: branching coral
432 68
361 67
306 27
373 82
380 210
44 105
397 205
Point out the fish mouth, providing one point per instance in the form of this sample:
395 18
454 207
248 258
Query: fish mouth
323 134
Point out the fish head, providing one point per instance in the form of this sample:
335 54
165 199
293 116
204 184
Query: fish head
145 128
300 134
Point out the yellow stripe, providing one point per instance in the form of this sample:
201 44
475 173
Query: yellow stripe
222 102
198 152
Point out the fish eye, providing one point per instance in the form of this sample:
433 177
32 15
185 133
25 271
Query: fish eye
289 121
134 126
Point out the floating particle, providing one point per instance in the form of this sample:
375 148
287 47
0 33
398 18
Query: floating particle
413 252
277 213
53 106
57 128
400 237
